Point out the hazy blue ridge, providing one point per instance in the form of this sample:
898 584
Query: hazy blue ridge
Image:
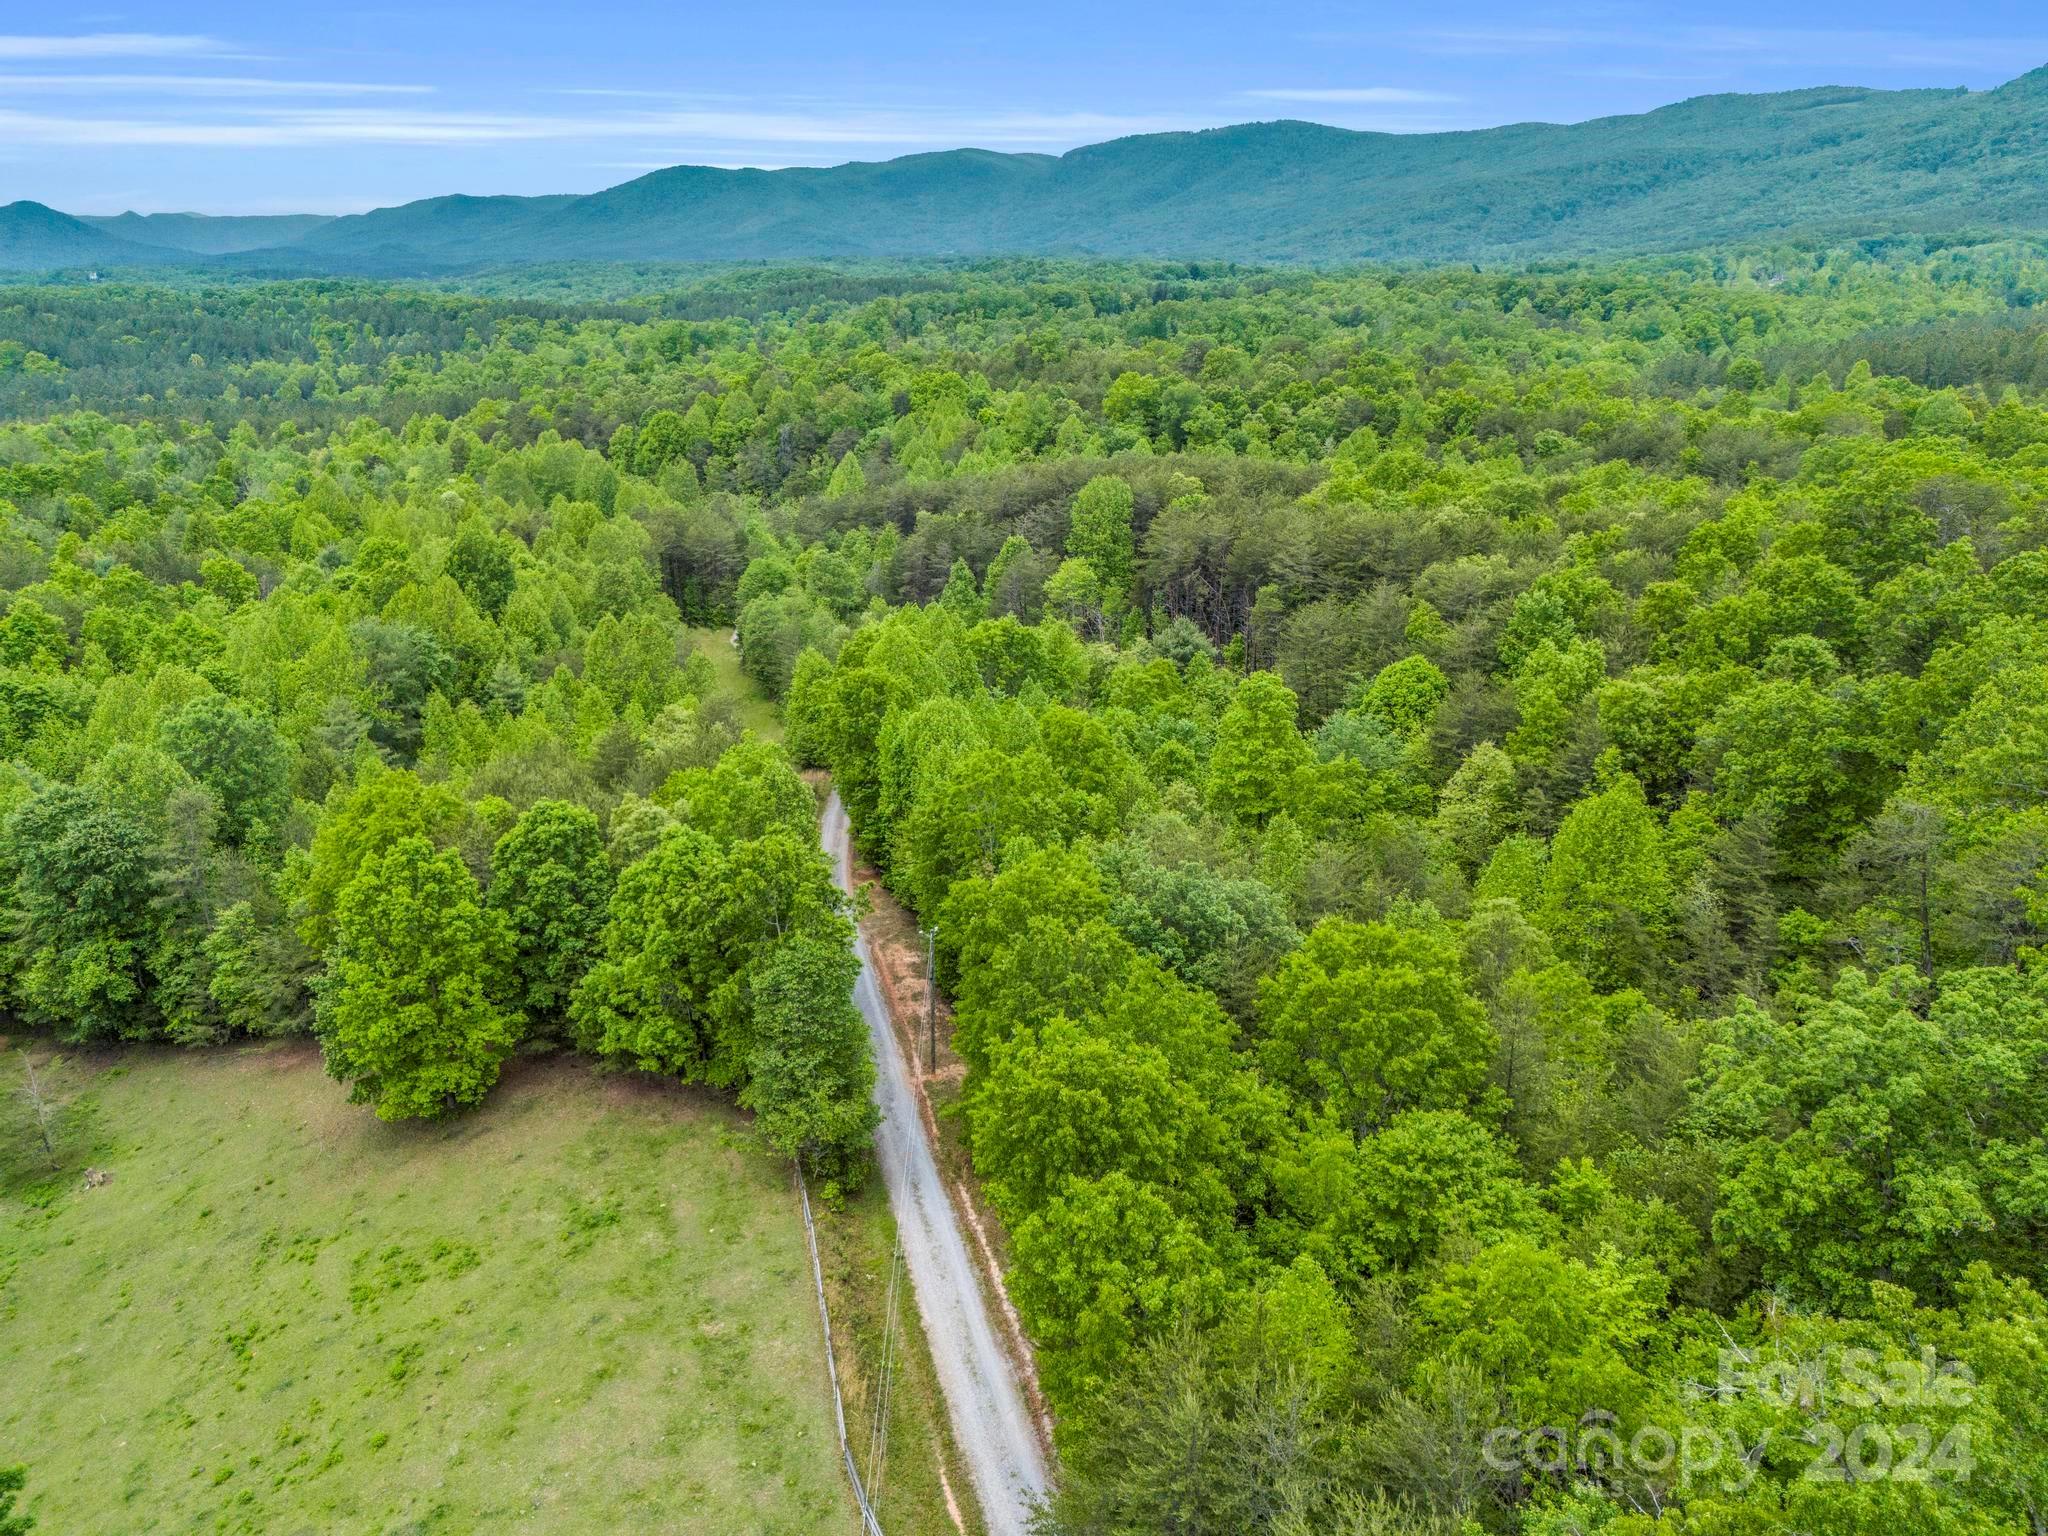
1829 162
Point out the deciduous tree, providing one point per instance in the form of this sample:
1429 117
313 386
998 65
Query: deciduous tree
410 1009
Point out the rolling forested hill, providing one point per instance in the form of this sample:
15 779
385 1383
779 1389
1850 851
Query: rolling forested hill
35 238
1829 162
206 234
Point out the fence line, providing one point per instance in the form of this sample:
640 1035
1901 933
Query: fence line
869 1524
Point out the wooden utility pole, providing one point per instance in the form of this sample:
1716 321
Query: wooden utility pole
931 1001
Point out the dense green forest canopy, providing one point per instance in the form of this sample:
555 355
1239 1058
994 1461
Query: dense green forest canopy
1488 830
1833 162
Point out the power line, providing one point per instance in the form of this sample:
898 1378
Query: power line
878 1444
869 1525
892 1338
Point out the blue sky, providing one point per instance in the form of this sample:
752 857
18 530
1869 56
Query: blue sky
235 107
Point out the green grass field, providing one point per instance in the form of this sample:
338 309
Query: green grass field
586 1307
759 714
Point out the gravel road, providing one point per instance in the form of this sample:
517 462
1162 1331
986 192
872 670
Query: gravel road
983 1398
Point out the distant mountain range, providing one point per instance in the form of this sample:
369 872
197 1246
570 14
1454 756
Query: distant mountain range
207 234
1827 163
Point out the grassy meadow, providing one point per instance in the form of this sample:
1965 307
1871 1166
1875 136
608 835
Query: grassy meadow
586 1307
758 714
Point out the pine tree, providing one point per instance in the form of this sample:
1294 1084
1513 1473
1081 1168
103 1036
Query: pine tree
961 597
848 478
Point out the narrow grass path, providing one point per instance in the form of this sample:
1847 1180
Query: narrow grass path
757 711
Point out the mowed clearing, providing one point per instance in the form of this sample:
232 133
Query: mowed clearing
757 713
586 1307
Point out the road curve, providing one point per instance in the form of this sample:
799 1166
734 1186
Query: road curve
983 1398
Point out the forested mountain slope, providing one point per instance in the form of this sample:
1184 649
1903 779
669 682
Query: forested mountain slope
1824 162
1715 169
36 238
205 234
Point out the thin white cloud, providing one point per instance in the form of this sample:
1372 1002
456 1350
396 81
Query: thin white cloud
641 93
110 45
203 85
1364 95
642 167
1492 40
1647 75
314 126
1891 50
1826 49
